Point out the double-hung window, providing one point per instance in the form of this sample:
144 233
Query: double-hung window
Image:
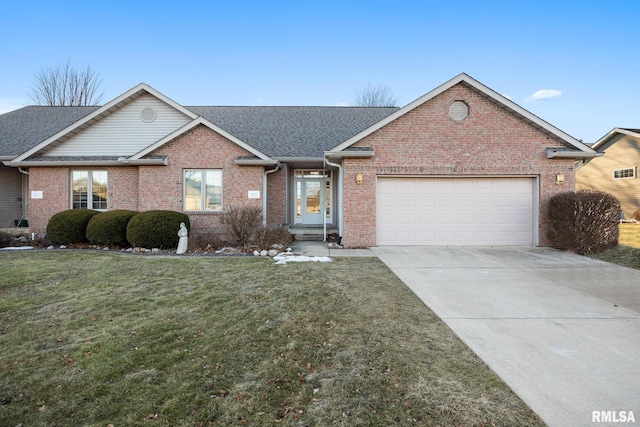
203 189
89 190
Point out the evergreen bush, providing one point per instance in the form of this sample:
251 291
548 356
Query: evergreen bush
69 226
156 229
584 221
110 228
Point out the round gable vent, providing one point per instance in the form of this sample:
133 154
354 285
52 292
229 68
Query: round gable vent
458 110
148 115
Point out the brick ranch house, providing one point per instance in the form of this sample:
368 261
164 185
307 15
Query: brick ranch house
461 165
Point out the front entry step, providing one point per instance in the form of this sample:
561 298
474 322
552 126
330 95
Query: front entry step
311 234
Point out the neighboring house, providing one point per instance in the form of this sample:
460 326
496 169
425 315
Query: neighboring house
615 170
461 165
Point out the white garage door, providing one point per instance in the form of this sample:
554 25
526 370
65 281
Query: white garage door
455 211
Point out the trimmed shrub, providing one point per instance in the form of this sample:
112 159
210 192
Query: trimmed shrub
585 221
6 239
267 237
156 229
240 223
69 226
110 228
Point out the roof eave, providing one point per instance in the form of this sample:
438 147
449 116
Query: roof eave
255 162
91 163
611 133
349 154
553 153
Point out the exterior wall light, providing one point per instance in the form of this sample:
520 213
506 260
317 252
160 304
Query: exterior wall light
359 179
559 179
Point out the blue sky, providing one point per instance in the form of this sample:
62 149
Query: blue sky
583 55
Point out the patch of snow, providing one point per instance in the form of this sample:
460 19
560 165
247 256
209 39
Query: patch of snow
283 258
17 248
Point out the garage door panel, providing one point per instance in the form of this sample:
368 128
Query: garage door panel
455 211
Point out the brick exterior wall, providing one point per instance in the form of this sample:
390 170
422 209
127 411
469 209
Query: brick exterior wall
145 188
277 196
427 142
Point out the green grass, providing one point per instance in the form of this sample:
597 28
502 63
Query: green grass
98 339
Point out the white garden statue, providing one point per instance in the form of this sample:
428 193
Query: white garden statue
183 233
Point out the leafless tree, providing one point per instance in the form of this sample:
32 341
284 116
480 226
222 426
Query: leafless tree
375 96
66 86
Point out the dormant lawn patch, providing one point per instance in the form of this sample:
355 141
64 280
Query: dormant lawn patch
99 339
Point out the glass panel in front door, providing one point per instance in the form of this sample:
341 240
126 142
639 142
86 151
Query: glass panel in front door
313 201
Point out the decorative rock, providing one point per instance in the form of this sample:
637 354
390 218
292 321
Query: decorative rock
264 252
63 247
155 250
256 253
51 247
273 252
106 248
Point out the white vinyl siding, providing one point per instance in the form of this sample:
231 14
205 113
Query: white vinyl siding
124 133
455 211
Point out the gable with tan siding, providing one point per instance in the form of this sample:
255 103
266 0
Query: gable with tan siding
621 151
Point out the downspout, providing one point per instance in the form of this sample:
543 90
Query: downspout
340 197
24 199
264 191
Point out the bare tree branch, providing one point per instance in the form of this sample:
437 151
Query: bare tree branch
375 96
64 85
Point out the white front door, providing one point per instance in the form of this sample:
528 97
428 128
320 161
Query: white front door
313 197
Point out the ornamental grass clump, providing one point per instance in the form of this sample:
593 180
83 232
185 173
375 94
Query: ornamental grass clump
69 226
584 222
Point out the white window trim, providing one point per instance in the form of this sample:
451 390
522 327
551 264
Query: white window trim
202 191
90 173
633 176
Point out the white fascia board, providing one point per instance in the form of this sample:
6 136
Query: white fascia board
348 154
481 88
255 162
90 163
199 121
611 133
554 153
105 109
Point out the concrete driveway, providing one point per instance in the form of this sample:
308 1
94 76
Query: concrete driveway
562 330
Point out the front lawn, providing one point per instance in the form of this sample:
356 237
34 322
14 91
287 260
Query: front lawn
108 339
627 252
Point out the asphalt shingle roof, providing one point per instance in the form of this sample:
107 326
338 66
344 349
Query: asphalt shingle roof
26 127
293 131
276 131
